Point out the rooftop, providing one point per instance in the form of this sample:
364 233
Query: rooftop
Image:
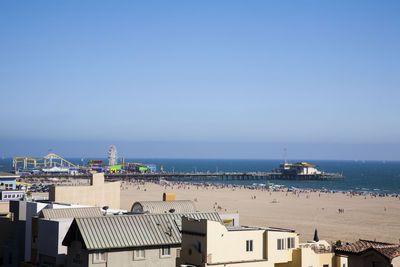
7 174
70 213
178 206
126 231
388 250
254 228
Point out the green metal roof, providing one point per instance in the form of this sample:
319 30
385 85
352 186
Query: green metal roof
180 206
70 213
129 231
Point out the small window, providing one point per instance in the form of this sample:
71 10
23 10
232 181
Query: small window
291 242
178 253
325 265
281 244
249 245
99 257
344 264
138 254
165 251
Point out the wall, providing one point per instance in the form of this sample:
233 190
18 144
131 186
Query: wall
396 262
368 258
8 181
326 258
98 194
51 235
153 258
4 207
275 255
340 260
15 247
32 209
78 257
230 246
221 246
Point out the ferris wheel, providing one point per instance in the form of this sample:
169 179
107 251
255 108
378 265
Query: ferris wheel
112 155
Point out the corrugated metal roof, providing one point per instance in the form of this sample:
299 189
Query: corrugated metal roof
71 213
140 230
179 206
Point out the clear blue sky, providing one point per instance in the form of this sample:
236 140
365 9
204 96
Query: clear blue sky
181 78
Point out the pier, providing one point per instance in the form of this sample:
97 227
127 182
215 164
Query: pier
171 176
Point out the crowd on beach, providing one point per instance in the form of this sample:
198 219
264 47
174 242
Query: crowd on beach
214 186
298 191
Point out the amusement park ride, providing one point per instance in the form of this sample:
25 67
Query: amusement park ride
51 160
53 163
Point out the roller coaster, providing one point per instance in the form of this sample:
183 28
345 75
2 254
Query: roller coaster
51 160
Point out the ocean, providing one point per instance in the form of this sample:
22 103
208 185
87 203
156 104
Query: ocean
366 176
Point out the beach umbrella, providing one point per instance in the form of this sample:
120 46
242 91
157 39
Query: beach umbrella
316 239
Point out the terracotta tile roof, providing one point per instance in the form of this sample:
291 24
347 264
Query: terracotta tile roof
388 250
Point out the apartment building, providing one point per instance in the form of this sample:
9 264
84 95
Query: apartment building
210 243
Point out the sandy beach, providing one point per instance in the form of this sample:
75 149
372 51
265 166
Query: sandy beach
362 217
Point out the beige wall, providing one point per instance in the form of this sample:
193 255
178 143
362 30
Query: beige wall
230 246
4 207
340 260
396 262
279 256
326 258
97 194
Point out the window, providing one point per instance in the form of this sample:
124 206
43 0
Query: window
291 242
178 253
165 251
344 264
249 245
281 243
138 254
99 257
325 265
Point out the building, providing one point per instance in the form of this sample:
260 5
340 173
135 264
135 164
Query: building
98 193
177 206
128 240
370 254
314 254
210 243
8 184
20 232
8 181
52 226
